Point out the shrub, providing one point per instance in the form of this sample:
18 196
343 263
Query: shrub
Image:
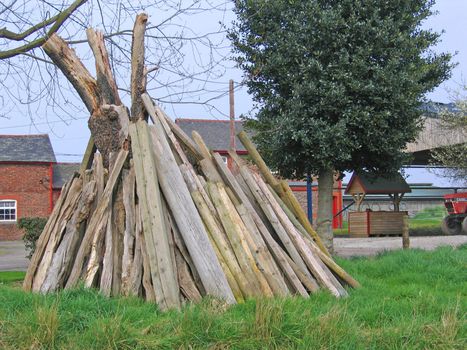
33 228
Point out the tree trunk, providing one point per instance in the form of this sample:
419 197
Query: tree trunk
324 219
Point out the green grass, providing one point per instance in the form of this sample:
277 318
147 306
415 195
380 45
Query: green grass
409 300
7 277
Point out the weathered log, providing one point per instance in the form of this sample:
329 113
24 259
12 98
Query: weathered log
155 232
185 140
186 216
281 188
45 236
147 279
239 245
185 280
97 220
106 84
178 240
118 232
97 244
274 248
308 282
71 66
273 219
105 285
138 80
223 247
319 270
258 160
289 197
88 157
331 264
136 272
69 206
129 180
63 257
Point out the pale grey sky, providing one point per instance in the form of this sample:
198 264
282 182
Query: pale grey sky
69 139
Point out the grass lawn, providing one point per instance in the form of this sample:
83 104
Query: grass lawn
409 300
425 223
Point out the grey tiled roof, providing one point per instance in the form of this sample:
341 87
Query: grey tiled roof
26 148
216 133
63 172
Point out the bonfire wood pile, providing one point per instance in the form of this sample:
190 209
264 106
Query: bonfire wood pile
163 218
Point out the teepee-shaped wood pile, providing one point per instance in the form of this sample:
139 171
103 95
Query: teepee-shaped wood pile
161 217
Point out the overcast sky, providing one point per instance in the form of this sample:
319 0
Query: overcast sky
69 139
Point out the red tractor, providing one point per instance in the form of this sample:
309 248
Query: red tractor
456 220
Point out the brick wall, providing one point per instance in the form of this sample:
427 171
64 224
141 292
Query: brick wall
29 185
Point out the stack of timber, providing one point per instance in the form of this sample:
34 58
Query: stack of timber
154 213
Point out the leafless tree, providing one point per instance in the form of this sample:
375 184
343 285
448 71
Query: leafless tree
186 51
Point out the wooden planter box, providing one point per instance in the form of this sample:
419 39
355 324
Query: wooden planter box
376 223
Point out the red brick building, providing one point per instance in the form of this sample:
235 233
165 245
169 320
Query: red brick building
28 170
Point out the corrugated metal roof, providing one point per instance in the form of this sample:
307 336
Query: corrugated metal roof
215 133
26 148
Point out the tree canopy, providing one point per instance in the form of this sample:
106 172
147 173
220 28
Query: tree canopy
338 84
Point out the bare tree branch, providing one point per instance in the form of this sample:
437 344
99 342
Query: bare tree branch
57 21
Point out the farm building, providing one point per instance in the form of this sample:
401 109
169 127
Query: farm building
31 180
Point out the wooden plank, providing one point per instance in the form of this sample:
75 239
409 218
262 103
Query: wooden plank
258 160
63 257
147 279
261 233
57 233
157 239
138 78
88 155
185 280
129 181
163 273
97 245
331 264
187 143
319 270
96 220
273 219
289 197
105 284
185 214
264 259
118 231
178 240
219 240
136 272
238 242
45 236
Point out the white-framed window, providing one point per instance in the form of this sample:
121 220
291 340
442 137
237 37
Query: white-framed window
224 158
7 210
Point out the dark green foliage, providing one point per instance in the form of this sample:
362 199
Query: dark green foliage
337 84
408 300
32 230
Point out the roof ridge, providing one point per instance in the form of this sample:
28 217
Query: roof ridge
206 120
29 135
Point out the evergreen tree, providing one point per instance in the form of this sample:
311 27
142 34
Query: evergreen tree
338 84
